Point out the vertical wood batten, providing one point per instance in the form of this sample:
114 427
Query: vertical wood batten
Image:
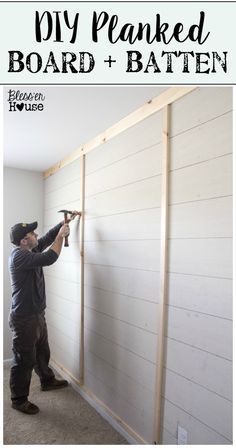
163 274
81 238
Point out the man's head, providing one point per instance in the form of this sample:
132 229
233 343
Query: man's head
23 235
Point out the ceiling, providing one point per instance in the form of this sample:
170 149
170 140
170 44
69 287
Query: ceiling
71 116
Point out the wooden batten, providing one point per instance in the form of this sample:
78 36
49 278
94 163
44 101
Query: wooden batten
163 276
167 97
81 241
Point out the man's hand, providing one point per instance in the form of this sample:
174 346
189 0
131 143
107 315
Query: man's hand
64 230
57 245
73 215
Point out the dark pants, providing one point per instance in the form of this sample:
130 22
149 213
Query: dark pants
30 351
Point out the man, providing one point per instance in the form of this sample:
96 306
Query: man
27 315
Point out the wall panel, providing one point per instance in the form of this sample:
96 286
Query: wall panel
198 382
122 271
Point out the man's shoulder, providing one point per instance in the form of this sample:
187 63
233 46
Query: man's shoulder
18 254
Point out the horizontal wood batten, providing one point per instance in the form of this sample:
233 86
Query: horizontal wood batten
167 97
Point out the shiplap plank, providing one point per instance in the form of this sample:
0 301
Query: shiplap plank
138 369
69 192
208 333
124 308
74 231
137 196
210 179
126 266
131 254
144 224
209 257
200 106
209 408
134 393
201 367
69 309
67 326
134 283
137 420
198 433
64 176
67 358
207 141
202 219
51 215
65 271
168 438
63 288
69 348
140 136
142 165
134 339
201 294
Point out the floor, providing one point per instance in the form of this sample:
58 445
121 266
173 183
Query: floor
64 418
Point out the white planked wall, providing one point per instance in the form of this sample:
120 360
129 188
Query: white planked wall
122 261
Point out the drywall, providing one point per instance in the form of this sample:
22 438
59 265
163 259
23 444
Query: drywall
23 202
122 263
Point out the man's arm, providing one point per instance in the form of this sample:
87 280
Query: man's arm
57 245
50 236
25 259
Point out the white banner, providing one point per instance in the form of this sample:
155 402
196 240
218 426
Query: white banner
117 43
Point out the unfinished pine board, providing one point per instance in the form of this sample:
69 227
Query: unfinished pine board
198 432
208 333
201 367
208 218
156 104
140 284
183 393
207 141
207 257
124 308
208 295
164 260
134 339
203 105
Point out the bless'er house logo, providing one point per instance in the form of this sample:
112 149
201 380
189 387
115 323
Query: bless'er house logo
25 101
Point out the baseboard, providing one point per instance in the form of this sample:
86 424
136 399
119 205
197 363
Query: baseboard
120 426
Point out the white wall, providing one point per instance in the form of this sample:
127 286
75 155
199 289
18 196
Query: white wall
122 242
23 202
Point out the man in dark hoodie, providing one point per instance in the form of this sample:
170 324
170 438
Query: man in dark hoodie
27 314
